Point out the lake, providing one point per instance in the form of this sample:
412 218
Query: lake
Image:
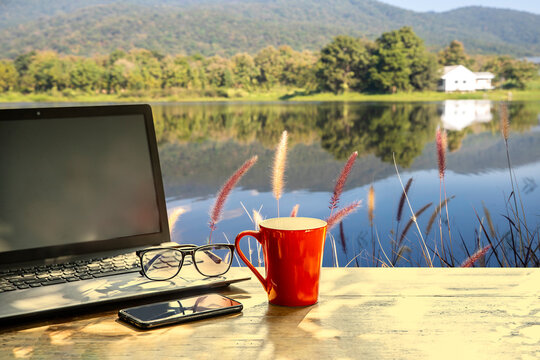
202 144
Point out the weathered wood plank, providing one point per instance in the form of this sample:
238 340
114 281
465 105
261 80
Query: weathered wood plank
361 313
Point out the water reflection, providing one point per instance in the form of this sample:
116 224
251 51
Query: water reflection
202 144
459 114
382 130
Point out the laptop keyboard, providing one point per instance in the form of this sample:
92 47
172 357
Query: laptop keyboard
52 274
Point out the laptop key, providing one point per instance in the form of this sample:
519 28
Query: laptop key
33 281
37 284
109 273
53 282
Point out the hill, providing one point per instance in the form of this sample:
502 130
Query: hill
225 27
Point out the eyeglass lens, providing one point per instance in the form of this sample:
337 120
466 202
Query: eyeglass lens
161 264
213 260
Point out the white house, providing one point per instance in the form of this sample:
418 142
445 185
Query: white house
483 80
459 78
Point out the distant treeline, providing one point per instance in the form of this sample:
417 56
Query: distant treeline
396 61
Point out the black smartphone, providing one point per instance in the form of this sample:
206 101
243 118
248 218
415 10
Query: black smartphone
179 311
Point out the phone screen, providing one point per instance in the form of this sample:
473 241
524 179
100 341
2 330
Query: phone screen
188 307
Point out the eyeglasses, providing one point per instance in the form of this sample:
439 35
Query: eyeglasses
165 263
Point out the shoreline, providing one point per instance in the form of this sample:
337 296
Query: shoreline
275 96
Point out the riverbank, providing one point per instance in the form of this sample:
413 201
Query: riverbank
272 95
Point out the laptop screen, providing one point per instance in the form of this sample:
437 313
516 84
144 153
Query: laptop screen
83 179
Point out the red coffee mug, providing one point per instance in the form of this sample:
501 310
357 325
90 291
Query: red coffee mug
293 249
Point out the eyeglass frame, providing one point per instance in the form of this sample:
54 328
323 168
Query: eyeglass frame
190 251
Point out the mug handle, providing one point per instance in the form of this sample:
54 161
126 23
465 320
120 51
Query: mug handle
256 235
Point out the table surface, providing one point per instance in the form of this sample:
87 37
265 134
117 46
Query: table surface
413 313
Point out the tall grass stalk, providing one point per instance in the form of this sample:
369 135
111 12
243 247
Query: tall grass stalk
339 215
341 180
278 173
336 194
257 218
217 209
476 256
505 131
371 209
425 250
442 143
401 204
294 211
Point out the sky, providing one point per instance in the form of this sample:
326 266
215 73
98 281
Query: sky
532 6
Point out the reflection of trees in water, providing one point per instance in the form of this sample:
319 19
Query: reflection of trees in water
243 123
379 129
455 139
403 129
522 116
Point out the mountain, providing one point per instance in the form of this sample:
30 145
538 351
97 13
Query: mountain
225 27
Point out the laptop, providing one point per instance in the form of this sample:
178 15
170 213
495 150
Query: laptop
80 192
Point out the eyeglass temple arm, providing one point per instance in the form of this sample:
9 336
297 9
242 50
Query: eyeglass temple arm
150 262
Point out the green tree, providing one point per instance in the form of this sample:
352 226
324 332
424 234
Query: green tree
454 54
175 72
400 62
244 70
270 65
299 69
218 72
518 73
8 75
510 72
147 72
49 71
343 64
86 74
22 64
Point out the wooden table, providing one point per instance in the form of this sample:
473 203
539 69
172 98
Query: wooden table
362 313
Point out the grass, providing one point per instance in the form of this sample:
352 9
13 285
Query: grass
516 246
276 94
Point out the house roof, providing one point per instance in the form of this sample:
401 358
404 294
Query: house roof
484 75
447 69
479 75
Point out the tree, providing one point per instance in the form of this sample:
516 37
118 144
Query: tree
343 64
299 70
454 54
510 72
270 66
244 70
175 72
8 75
218 72
401 62
85 74
48 71
518 73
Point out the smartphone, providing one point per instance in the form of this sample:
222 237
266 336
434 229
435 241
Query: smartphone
179 311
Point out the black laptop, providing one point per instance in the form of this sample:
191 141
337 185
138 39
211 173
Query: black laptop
80 191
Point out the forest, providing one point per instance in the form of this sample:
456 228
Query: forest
397 61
